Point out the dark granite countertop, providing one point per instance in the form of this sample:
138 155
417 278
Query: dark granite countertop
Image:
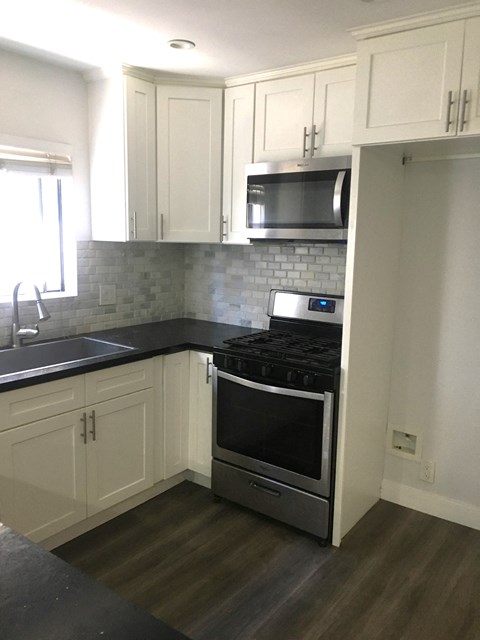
44 598
146 340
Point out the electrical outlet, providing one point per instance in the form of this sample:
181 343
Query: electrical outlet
108 294
427 471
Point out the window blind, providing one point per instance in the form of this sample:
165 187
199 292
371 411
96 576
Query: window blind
40 163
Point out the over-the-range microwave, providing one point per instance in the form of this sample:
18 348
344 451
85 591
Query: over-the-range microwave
305 199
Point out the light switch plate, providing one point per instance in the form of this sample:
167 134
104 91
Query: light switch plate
108 294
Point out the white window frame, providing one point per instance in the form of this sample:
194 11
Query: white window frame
69 242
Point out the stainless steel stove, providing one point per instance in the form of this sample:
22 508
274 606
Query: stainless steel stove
275 412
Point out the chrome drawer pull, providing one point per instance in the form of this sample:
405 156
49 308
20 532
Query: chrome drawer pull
260 487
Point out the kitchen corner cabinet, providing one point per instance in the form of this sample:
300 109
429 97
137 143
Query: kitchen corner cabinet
122 159
175 403
59 470
421 83
304 116
200 412
237 152
189 156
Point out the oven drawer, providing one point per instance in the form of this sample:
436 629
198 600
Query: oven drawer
295 507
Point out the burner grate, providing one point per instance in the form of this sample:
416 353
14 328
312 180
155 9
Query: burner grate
288 346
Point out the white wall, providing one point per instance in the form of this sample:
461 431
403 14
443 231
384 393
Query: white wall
47 102
435 387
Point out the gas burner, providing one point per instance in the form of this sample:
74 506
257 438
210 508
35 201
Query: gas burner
293 347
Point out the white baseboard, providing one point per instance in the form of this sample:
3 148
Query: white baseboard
431 503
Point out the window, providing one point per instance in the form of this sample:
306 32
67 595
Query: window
35 203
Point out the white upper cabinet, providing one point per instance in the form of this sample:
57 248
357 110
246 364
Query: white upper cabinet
283 118
237 152
469 122
304 116
333 112
122 159
189 154
421 83
140 159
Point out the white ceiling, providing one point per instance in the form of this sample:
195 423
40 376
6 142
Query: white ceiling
233 36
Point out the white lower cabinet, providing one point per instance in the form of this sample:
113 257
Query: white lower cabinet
175 395
43 476
57 471
187 413
144 422
119 449
200 413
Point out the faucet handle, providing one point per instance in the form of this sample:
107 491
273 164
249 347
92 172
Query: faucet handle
28 332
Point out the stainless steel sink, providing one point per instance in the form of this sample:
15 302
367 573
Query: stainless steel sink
50 354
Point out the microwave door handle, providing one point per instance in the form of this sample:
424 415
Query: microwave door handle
337 198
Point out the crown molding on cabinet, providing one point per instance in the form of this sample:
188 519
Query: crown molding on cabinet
292 70
426 19
150 75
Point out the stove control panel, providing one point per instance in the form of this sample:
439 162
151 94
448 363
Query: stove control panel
274 374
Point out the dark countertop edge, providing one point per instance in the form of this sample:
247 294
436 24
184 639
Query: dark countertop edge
44 598
147 341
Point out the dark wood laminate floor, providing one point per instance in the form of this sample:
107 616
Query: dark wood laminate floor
216 571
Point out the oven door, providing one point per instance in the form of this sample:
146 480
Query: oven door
280 433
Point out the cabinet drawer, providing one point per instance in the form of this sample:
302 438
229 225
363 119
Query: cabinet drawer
41 401
118 381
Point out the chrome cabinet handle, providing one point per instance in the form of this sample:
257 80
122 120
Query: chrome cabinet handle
161 226
450 104
83 434
133 221
314 138
93 430
224 228
465 101
208 374
305 136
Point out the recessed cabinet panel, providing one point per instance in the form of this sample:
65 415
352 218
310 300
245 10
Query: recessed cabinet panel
283 108
189 125
113 382
140 159
333 113
200 423
469 119
120 449
237 152
42 487
175 411
30 404
403 84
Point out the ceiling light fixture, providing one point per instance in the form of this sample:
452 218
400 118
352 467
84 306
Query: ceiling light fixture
181 44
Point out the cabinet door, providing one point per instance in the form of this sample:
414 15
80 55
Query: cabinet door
238 152
200 419
42 479
470 122
333 112
283 109
189 152
140 159
404 82
175 411
120 449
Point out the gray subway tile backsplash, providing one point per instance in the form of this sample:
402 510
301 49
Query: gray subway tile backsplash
222 283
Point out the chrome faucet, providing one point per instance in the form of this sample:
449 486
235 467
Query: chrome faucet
19 333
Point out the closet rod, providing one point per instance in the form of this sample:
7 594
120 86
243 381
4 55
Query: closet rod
408 159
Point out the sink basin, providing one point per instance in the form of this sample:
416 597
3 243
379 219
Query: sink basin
50 354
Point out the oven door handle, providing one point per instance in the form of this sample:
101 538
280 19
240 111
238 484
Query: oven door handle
257 386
